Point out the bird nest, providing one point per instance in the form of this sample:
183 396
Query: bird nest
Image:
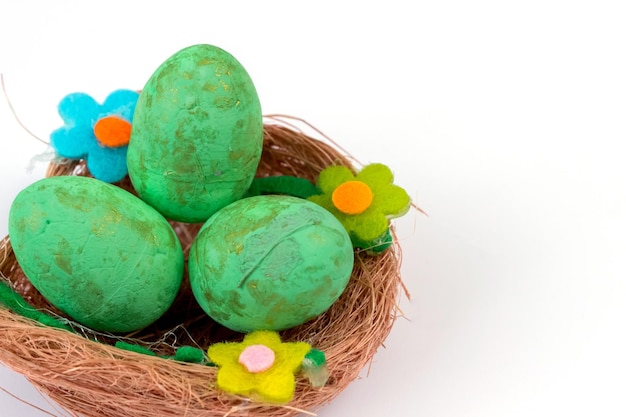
88 376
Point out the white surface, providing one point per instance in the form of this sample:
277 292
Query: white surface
504 120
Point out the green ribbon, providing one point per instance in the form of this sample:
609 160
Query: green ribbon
284 184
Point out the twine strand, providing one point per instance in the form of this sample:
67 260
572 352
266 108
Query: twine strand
17 119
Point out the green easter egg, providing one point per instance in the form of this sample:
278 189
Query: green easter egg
96 252
269 263
197 134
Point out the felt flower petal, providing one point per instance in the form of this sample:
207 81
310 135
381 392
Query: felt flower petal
392 201
108 164
367 226
267 338
235 379
375 174
121 103
332 177
324 200
363 203
276 384
78 109
77 139
290 355
278 387
70 143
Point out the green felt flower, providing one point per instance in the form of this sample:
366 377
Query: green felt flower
363 203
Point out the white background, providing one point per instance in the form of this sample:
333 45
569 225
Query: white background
506 122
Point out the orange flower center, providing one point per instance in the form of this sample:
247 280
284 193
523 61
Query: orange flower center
352 197
112 131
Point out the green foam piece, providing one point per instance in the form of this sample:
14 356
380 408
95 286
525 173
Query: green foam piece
14 302
189 354
52 322
315 357
376 246
285 184
134 348
315 369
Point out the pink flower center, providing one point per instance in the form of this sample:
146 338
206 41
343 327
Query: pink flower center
257 358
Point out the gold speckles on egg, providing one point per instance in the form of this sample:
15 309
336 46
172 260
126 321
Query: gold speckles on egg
203 96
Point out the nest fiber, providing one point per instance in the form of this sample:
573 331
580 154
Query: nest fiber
86 375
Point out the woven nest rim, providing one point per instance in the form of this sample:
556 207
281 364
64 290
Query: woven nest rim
91 378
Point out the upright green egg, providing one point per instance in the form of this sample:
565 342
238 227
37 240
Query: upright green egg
197 134
96 252
269 263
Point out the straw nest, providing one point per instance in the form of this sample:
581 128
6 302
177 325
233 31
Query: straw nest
88 376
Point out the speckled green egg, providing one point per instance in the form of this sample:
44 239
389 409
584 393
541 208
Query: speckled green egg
197 134
96 252
269 263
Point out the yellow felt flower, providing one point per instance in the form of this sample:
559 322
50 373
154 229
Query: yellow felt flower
261 367
363 203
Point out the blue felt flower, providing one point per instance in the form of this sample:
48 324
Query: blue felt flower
98 133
